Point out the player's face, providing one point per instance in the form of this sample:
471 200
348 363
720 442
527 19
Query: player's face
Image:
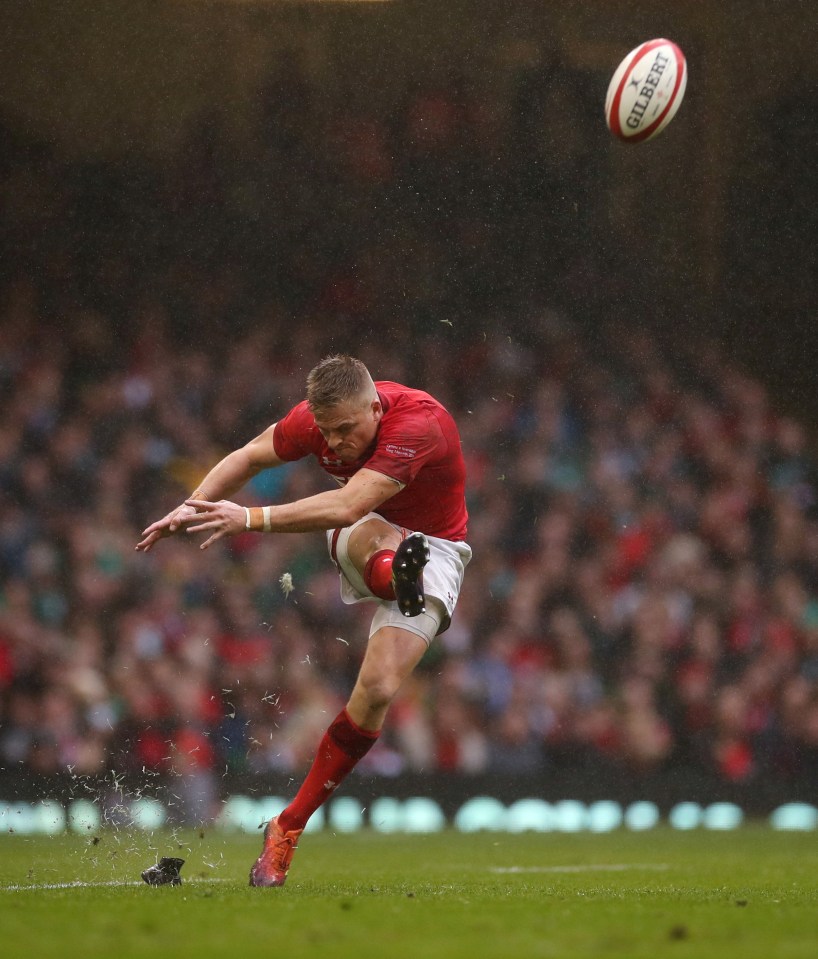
349 428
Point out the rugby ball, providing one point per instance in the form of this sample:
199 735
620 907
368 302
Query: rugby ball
646 91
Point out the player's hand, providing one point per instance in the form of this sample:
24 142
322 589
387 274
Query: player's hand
166 526
223 519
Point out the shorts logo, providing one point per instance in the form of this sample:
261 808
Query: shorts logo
405 451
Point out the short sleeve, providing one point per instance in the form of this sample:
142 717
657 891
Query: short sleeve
293 434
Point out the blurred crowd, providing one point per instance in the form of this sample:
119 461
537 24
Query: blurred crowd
644 522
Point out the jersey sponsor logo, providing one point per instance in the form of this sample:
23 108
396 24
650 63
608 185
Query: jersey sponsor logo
404 451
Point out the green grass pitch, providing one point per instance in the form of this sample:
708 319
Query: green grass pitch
749 893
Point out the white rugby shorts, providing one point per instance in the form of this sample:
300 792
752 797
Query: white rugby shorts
442 581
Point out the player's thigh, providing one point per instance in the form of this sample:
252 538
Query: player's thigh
367 538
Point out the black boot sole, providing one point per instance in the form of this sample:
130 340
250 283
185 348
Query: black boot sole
407 574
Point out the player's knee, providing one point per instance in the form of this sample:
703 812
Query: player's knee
378 689
369 537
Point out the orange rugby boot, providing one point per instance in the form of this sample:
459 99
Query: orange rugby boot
272 866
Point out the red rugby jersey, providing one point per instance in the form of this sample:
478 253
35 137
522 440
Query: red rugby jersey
417 444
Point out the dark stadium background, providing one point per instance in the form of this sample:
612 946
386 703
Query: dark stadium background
719 218
243 164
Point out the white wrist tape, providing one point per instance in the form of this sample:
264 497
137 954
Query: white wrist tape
246 518
265 512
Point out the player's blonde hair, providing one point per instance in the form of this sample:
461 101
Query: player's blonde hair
338 379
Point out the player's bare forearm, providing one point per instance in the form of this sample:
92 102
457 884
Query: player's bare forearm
364 492
225 518
314 513
229 475
334 508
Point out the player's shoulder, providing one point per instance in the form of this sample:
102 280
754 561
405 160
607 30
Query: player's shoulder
296 432
299 415
396 396
412 413
301 412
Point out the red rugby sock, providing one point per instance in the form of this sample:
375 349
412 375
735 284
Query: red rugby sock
343 745
378 574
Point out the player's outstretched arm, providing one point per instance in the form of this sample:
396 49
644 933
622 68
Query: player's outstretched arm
365 491
226 477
